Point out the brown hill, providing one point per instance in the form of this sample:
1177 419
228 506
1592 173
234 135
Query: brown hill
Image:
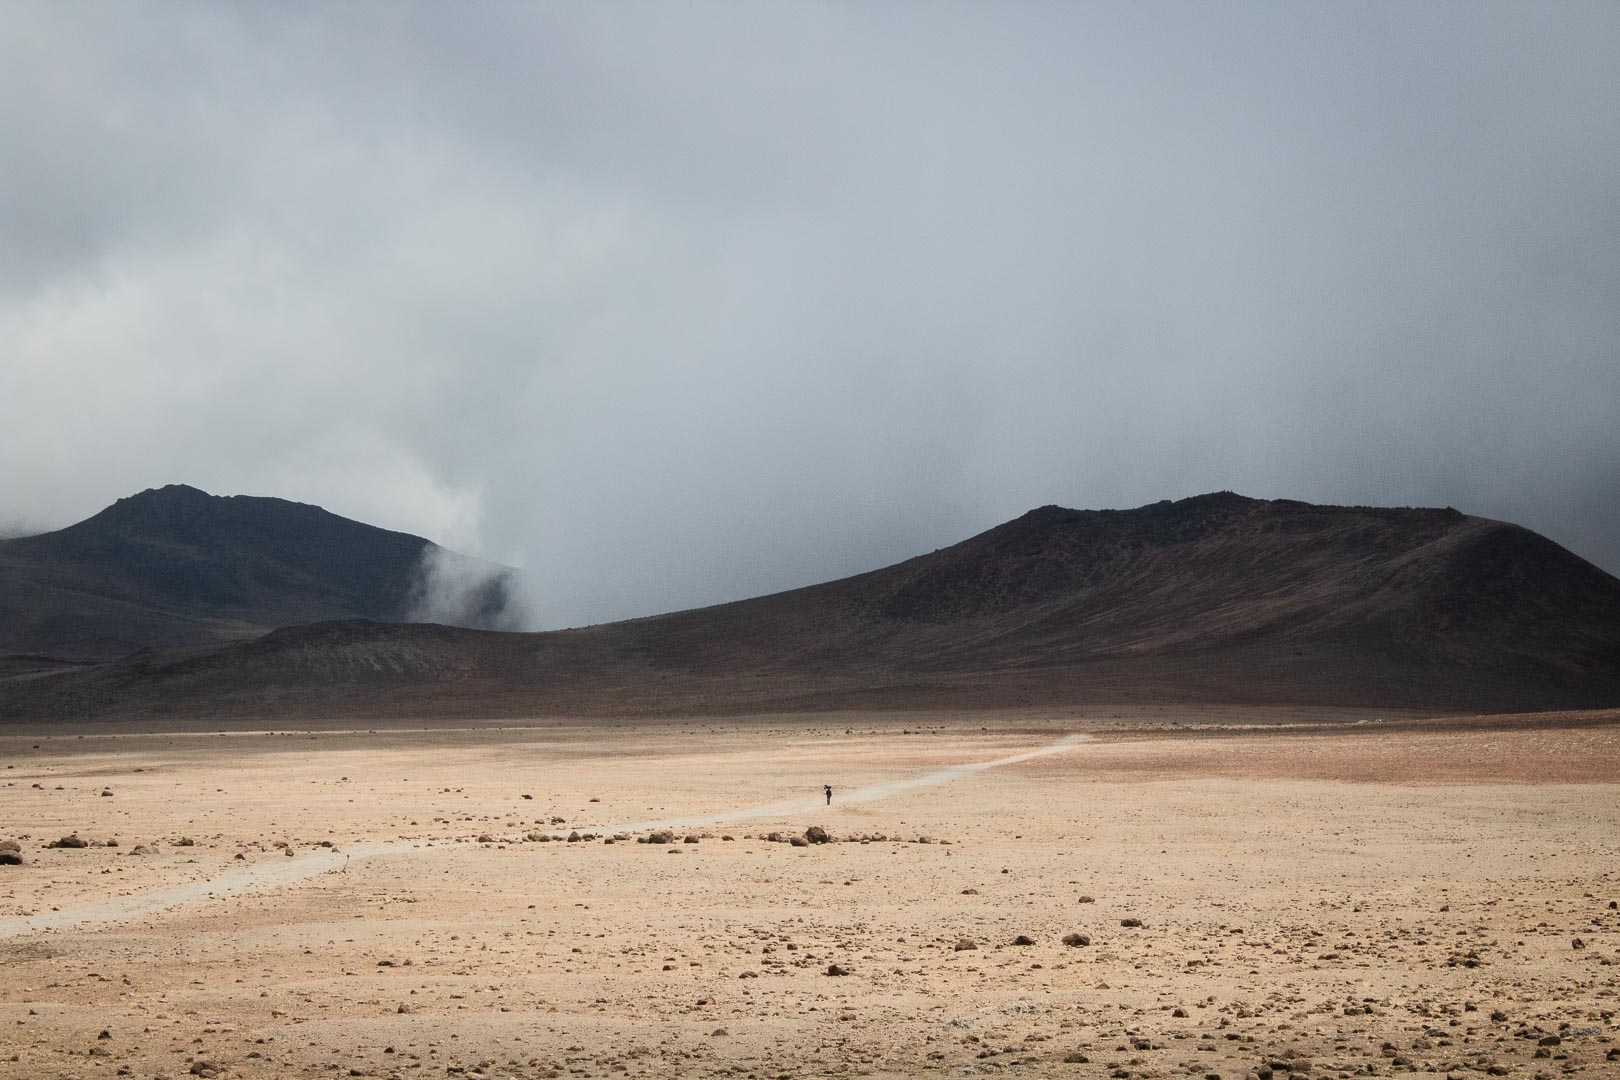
1214 598
176 565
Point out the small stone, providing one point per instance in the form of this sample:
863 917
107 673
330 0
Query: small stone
964 944
834 969
1023 939
1130 922
1075 941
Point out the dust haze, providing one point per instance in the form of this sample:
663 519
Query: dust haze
669 305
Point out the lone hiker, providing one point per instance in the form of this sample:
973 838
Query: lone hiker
828 789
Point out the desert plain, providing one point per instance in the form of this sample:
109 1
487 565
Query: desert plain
1141 892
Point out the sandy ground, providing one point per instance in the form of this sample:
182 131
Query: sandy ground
1342 899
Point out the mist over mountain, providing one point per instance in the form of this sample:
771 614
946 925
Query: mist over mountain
1217 598
175 565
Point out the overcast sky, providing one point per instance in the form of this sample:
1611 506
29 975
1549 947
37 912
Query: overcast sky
678 303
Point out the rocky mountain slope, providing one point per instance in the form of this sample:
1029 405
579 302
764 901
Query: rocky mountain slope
1214 598
176 565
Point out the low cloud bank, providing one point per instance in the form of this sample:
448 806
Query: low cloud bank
458 590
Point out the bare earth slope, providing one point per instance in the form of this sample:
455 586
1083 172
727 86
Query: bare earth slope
1215 598
179 566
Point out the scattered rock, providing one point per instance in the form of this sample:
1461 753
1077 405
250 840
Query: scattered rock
817 835
964 944
72 841
970 892
185 841
485 838
799 841
690 840
660 837
1086 900
1578 943
1075 941
1130 922
834 969
1023 939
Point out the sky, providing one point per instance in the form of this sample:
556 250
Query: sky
676 303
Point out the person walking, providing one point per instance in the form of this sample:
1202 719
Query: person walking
828 789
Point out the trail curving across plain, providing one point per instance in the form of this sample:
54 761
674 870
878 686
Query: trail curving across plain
270 872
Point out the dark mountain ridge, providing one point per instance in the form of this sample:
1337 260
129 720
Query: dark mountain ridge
175 565
1217 598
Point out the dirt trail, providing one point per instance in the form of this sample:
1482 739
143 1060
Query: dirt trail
270 871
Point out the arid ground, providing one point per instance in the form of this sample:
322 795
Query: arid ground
1253 892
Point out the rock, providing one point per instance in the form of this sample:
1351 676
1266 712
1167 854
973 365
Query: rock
1130 922
573 837
1023 939
10 858
718 1032
1578 943
799 841
970 892
690 840
774 837
964 944
834 969
241 857
1086 900
528 796
1075 1057
660 838
817 835
185 841
485 838
1075 941
1179 1014
106 793
140 849
69 842
112 842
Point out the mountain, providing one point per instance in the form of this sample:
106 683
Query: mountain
1217 598
176 565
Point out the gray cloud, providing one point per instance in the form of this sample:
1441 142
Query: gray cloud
672 304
